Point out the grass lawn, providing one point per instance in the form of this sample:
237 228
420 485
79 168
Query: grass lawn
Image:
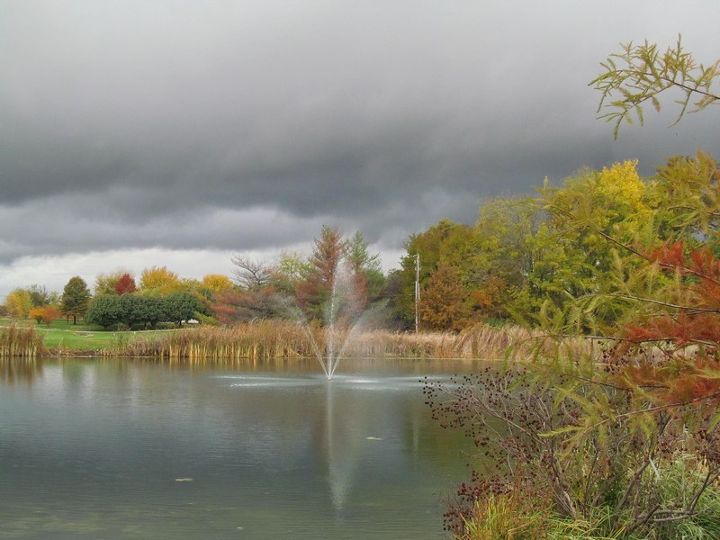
80 337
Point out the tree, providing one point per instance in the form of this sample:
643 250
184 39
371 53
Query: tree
443 301
159 280
313 293
75 298
288 273
250 274
639 74
629 445
366 277
446 242
182 306
40 296
125 285
18 303
106 283
44 314
216 283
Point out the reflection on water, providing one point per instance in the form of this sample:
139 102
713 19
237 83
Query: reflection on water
20 370
118 449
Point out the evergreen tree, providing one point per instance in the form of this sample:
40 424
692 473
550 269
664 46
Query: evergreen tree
75 298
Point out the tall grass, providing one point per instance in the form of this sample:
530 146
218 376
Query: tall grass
20 342
273 340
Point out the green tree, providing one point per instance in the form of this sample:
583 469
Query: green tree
75 298
445 243
290 271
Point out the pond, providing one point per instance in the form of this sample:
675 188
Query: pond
118 449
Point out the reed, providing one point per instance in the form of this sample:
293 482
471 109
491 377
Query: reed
20 342
276 340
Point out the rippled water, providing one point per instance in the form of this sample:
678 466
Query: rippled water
116 449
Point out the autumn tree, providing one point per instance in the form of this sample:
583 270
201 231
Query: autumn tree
445 243
18 303
125 284
443 301
630 444
105 283
216 282
44 314
291 270
159 280
75 298
315 290
366 277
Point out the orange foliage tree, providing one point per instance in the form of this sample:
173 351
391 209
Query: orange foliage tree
45 314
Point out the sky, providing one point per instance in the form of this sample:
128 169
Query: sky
179 133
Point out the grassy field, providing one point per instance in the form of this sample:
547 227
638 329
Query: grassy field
81 337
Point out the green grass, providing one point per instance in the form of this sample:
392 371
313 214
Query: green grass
81 337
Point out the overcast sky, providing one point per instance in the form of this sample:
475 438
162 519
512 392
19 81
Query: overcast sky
180 132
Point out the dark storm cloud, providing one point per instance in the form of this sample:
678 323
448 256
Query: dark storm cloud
239 125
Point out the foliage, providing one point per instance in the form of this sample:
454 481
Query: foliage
125 285
630 446
639 74
44 314
231 305
130 310
550 435
75 298
337 263
314 292
216 283
445 243
106 283
18 303
40 296
443 301
288 273
159 280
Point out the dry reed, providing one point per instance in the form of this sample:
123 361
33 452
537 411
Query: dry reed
20 342
281 340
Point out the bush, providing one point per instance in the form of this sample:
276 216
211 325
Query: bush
132 310
44 314
592 475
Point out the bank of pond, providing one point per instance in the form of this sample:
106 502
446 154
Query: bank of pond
273 339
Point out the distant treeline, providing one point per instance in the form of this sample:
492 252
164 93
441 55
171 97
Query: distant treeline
567 256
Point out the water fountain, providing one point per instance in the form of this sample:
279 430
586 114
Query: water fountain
343 293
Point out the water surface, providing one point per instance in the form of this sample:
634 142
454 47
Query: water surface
127 450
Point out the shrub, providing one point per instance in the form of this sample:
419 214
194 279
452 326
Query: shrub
109 311
44 314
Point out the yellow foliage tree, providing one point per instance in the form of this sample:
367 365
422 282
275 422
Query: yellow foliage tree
216 282
18 303
159 279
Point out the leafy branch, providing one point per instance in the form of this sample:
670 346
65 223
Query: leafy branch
639 74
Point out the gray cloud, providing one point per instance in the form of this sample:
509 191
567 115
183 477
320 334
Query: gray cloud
245 125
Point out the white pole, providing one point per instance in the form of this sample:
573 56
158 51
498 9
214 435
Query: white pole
417 292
